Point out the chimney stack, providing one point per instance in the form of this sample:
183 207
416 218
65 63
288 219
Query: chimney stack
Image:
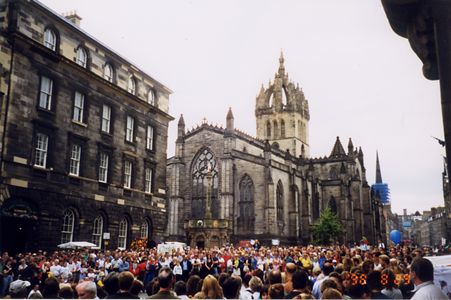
73 17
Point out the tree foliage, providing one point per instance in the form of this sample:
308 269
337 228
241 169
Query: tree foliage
328 228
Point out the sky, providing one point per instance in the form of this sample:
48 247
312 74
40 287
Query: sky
361 79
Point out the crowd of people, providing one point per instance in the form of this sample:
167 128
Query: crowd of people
253 272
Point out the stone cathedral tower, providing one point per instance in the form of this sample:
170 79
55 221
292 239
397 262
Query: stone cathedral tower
282 114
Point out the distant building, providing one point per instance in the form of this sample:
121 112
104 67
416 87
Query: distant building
83 136
267 187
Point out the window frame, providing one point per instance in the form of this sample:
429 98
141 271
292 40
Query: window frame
70 231
151 95
130 130
128 176
50 33
132 85
97 235
110 77
81 108
144 224
104 168
107 120
150 139
122 234
78 60
46 94
75 160
45 151
148 180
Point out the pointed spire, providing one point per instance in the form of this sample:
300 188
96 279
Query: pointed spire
181 128
229 120
181 121
281 65
378 169
350 147
338 149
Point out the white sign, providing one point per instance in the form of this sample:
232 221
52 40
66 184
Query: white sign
169 246
275 242
106 235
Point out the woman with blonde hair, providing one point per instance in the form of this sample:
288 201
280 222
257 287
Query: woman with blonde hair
210 289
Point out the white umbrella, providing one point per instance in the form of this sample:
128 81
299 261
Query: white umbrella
74 245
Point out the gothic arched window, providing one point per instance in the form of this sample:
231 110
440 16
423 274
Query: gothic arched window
122 236
82 57
282 128
333 205
276 130
50 39
279 203
333 173
246 205
268 129
67 232
97 231
204 164
144 230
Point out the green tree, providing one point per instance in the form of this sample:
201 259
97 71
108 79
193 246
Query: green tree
327 229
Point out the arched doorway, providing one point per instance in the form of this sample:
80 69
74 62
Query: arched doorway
18 223
200 242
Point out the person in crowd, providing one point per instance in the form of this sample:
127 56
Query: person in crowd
422 275
51 288
327 269
166 280
373 281
276 291
390 288
299 280
331 293
19 289
290 268
86 290
180 289
137 287
256 285
192 285
66 291
210 289
125 279
246 291
111 283
231 287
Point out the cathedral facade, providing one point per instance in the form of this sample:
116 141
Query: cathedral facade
266 187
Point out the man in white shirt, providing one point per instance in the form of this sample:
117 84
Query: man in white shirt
422 275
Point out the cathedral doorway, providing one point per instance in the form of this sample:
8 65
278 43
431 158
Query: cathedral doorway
200 242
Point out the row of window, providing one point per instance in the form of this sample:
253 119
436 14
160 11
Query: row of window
41 154
276 133
45 102
67 232
51 42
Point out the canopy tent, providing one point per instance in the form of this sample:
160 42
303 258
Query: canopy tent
75 245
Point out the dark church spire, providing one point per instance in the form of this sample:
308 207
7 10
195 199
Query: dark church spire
378 170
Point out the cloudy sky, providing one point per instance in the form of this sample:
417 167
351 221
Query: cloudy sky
361 79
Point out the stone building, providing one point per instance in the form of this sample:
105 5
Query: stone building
83 136
266 187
